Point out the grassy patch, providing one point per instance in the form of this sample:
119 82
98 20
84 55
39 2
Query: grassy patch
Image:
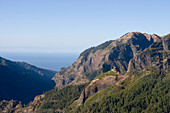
109 73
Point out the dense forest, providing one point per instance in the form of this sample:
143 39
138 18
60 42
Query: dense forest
149 94
60 99
146 92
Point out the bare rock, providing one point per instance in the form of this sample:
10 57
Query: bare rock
112 54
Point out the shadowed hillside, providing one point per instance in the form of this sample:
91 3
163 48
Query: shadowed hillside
22 81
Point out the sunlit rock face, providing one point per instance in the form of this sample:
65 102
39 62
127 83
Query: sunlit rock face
114 54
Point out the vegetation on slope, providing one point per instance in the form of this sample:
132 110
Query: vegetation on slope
56 100
93 74
96 74
150 93
102 46
109 73
94 49
86 52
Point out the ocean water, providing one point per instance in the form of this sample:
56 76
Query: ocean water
53 61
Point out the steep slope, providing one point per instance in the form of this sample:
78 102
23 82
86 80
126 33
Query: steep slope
147 93
109 55
21 81
133 76
100 83
158 54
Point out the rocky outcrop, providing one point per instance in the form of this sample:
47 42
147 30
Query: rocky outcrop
8 106
109 55
158 54
33 106
97 85
14 106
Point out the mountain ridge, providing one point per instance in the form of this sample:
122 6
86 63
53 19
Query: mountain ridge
20 80
130 74
113 55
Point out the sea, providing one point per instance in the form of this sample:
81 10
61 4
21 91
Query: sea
53 61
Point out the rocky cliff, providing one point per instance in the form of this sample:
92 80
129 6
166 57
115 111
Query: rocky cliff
100 83
158 54
114 54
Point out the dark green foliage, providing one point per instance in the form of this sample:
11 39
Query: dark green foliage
60 99
149 94
102 46
109 73
93 74
86 52
94 49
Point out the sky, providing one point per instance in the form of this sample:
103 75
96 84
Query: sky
71 26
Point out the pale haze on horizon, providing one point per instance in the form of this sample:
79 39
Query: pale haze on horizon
70 26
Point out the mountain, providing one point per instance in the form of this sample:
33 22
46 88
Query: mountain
130 74
21 81
157 56
114 54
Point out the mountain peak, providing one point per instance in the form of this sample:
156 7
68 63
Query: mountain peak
136 35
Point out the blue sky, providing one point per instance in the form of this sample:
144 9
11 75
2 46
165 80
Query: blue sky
70 26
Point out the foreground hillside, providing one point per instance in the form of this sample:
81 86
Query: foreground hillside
21 81
145 92
130 74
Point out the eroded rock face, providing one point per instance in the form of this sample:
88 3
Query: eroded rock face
128 46
98 85
155 54
110 55
158 54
